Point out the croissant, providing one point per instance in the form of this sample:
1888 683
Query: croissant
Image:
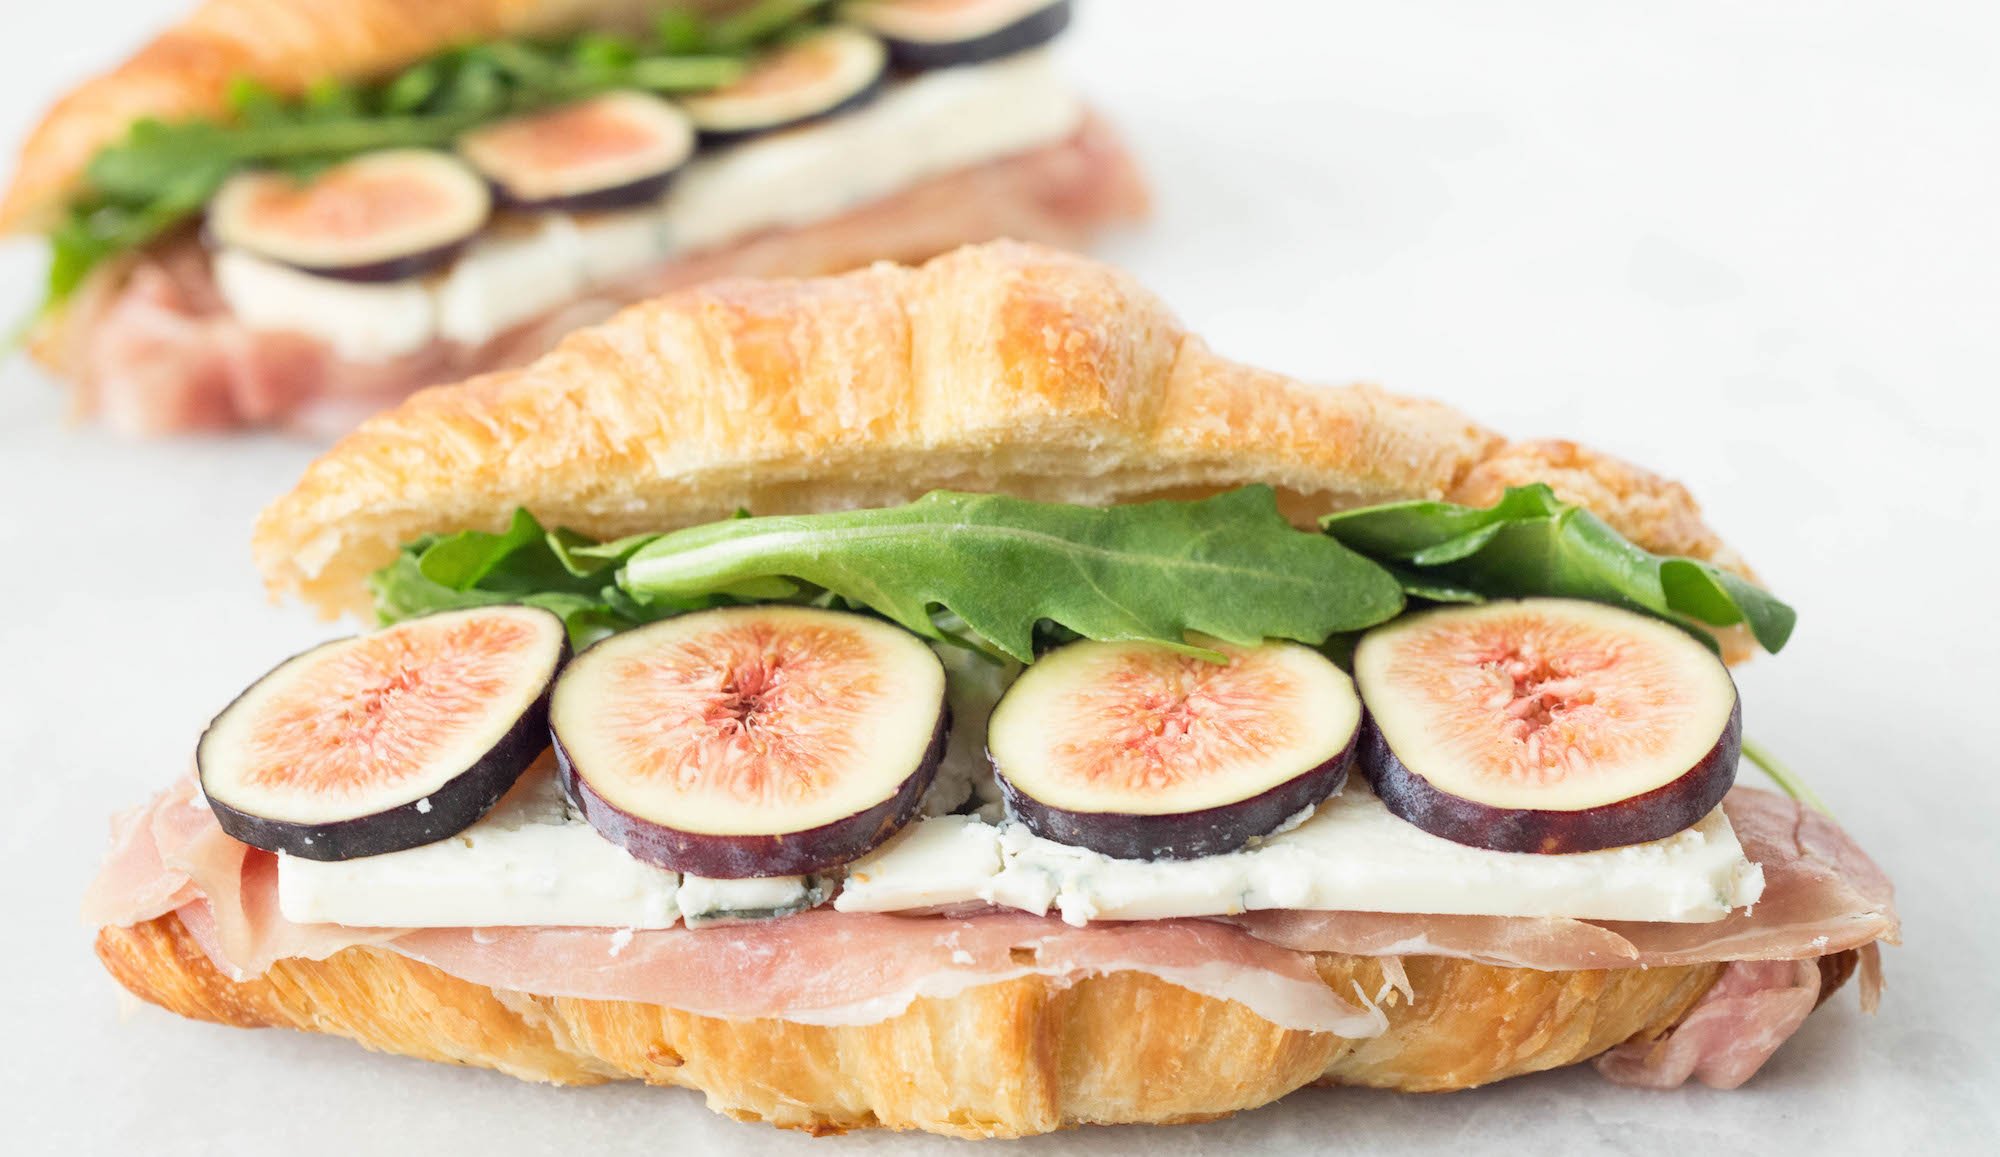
1013 368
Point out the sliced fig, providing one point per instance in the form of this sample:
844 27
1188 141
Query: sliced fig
606 152
387 741
1145 752
751 741
818 75
1546 725
382 216
923 34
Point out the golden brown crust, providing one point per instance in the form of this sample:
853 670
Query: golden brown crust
186 70
997 367
1022 1056
1652 510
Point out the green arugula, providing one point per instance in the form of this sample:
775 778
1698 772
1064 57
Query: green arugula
1788 781
1533 543
553 569
1009 576
1230 567
984 570
159 176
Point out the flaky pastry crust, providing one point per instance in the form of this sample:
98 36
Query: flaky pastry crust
1002 367
1019 1057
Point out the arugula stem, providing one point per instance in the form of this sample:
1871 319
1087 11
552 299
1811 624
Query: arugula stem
1786 779
685 73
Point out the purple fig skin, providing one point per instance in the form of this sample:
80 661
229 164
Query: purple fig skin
739 857
1183 835
457 804
394 269
1672 807
643 191
377 272
717 138
1031 31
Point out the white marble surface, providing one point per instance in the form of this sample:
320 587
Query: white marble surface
1750 245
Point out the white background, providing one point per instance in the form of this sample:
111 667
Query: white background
1750 245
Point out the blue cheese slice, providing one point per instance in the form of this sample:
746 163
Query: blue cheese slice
1351 855
704 901
531 860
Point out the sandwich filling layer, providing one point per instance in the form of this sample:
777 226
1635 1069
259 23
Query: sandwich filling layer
917 129
169 859
534 860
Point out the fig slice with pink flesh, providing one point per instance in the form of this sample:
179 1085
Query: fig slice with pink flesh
820 74
1546 725
387 741
382 216
1141 751
924 34
751 741
604 152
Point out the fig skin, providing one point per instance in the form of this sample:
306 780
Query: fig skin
400 268
396 268
738 857
1182 835
720 138
1031 31
643 191
711 135
1670 808
233 219
665 146
457 804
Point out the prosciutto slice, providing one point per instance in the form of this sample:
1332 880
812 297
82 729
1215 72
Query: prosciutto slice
819 967
1822 896
155 350
825 967
171 856
1753 1007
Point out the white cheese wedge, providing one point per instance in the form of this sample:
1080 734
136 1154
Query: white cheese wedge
615 245
930 864
510 276
362 322
939 121
531 860
704 901
1352 855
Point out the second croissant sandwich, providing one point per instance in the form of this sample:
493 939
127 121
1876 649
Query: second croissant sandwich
953 698
296 212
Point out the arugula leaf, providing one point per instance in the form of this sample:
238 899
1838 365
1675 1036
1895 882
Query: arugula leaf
556 570
760 22
1533 543
1228 566
1011 577
1787 780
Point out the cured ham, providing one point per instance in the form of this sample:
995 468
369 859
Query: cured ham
155 350
1822 895
171 856
1753 1007
819 967
822 967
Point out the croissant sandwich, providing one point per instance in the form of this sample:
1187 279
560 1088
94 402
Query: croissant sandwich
298 211
953 698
